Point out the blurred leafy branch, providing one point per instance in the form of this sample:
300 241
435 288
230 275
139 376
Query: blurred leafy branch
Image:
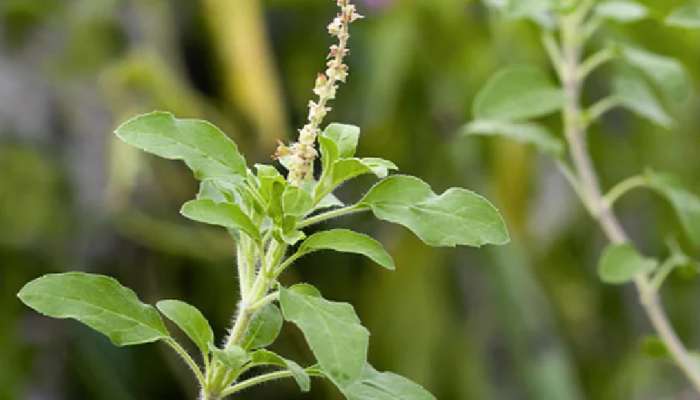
516 95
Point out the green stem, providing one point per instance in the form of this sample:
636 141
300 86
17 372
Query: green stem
572 41
256 381
187 359
595 61
598 109
622 188
331 214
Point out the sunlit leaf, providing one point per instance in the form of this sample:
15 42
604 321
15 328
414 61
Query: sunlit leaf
345 138
456 217
190 320
666 72
685 203
266 357
525 132
518 93
620 263
223 214
686 16
635 95
332 330
375 385
347 241
99 302
622 10
264 328
201 145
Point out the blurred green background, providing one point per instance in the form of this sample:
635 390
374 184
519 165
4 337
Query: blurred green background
525 321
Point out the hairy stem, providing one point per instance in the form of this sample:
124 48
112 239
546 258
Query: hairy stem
574 127
330 215
256 381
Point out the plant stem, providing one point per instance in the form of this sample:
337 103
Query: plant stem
256 381
571 43
622 188
187 359
330 214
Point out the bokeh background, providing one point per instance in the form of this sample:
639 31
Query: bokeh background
525 321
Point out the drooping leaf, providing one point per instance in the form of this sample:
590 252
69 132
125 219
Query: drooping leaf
620 263
266 357
99 302
228 215
517 93
347 241
525 132
456 217
201 145
345 138
635 95
685 203
666 72
622 10
375 385
686 16
264 328
332 330
190 320
233 357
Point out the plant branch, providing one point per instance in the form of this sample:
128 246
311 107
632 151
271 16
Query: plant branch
622 188
187 359
575 137
601 107
256 381
330 214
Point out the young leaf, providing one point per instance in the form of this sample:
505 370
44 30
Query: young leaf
635 95
622 11
375 385
329 153
296 201
233 357
345 138
264 328
524 132
620 263
666 72
686 16
329 201
347 241
201 145
685 203
456 217
332 330
190 320
266 357
227 215
518 93
99 302
348 168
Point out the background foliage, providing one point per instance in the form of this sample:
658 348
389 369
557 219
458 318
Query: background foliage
525 321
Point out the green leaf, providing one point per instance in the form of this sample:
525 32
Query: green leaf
329 153
296 201
374 385
456 217
332 330
348 168
264 328
685 203
620 263
227 215
201 145
99 302
666 72
635 95
347 241
518 93
190 320
622 11
686 16
233 357
329 201
524 132
266 357
345 138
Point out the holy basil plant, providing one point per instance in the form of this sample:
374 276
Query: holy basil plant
513 102
266 211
